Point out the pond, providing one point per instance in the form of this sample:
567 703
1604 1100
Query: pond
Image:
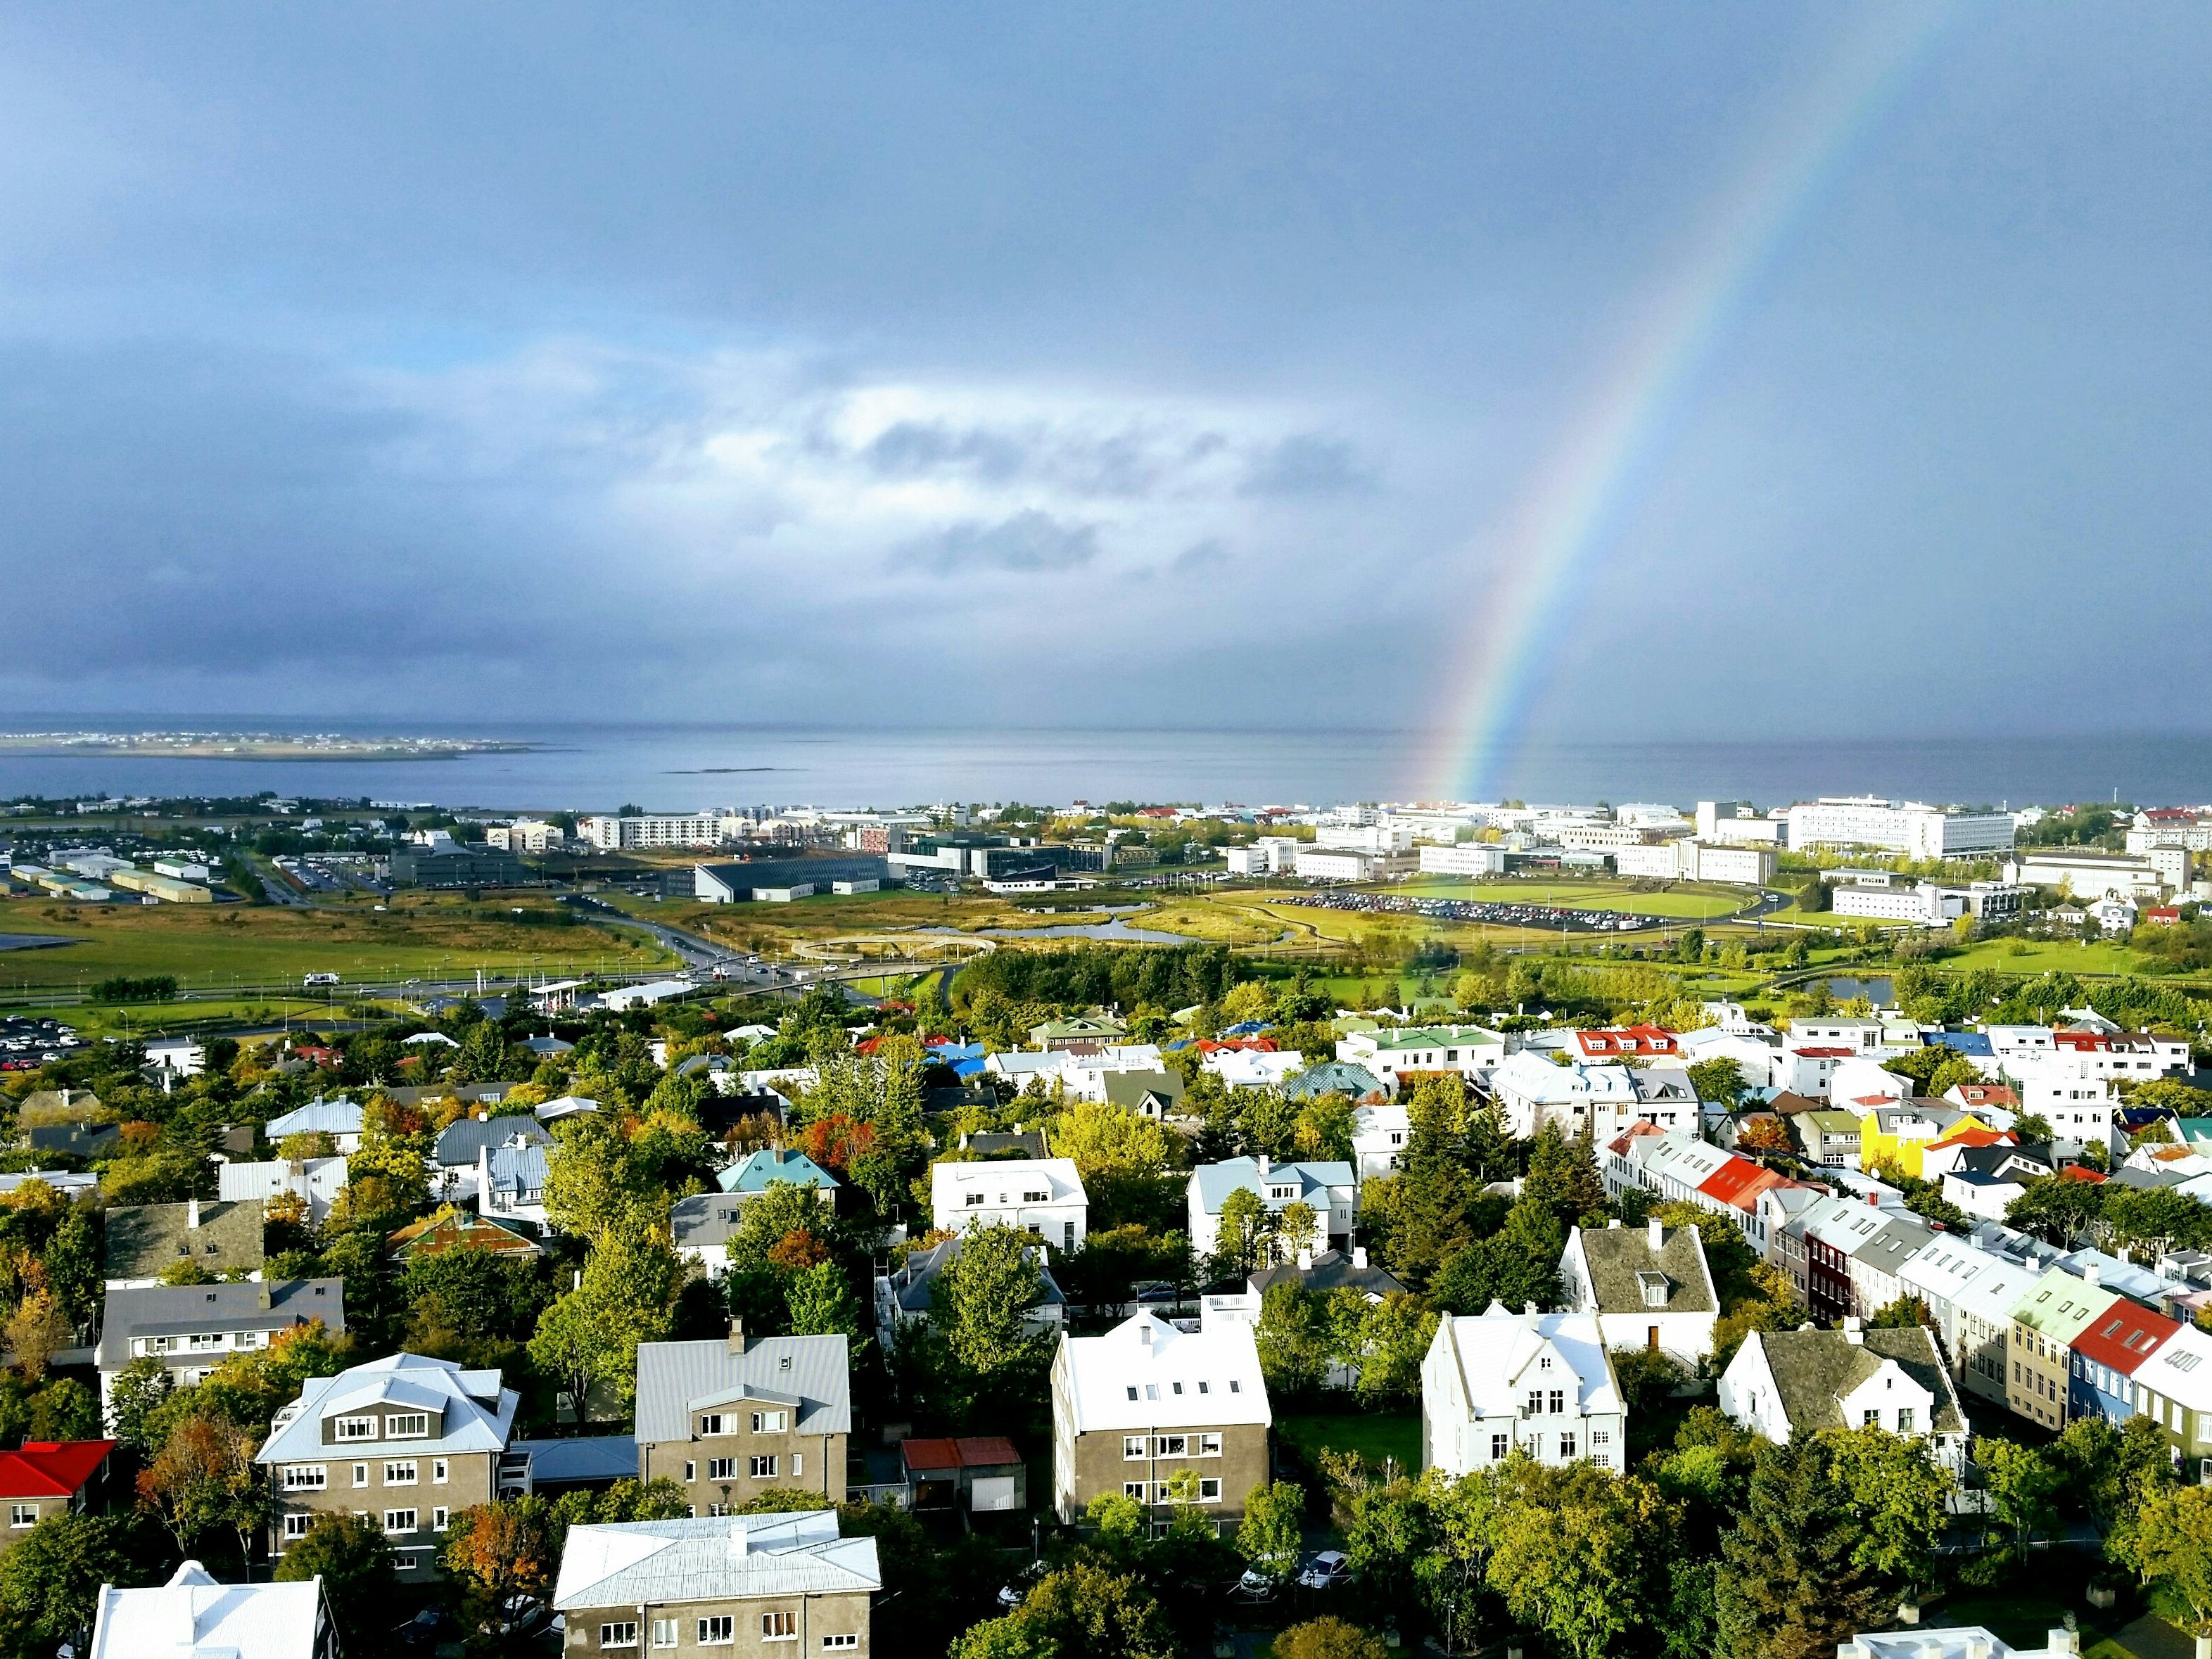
1878 990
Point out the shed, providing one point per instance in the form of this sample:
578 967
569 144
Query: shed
981 1473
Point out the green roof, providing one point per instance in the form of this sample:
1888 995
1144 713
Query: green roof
1436 1036
2061 1306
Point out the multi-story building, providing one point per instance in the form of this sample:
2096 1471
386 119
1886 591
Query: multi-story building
1784 1384
192 1328
1473 858
1040 1195
755 1584
1732 821
1165 1416
1916 830
1649 1286
1741 865
1501 1382
196 1616
1395 1056
1531 1092
1971 1294
2089 876
2055 1309
2173 1389
1329 1188
2110 1349
907 1294
728 1420
408 1441
639 831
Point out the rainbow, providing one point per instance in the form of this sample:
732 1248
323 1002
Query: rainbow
1577 502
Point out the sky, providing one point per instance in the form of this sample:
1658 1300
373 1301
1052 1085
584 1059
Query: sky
1135 365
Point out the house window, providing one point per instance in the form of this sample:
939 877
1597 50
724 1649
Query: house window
23 1515
663 1633
1567 1448
1600 1438
1535 1406
776 1627
690 1472
438 1470
1172 1445
1209 1445
711 1424
1871 1419
1558 1401
798 1464
1133 1489
399 1472
296 1525
1036 1197
1500 1445
361 1474
357 1428
839 1644
721 1630
1133 1448
761 1468
438 1520
771 1422
306 1477
407 1426
623 1635
1904 1419
1209 1489
974 1200
722 1468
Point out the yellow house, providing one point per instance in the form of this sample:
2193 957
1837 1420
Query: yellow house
1903 1133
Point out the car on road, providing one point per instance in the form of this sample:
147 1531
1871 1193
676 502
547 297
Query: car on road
1011 1593
1329 1567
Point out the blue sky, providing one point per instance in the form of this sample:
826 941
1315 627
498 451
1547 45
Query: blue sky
1004 364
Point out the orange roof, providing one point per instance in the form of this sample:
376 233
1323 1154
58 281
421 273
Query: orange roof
972 1452
2075 1172
49 1468
1965 1137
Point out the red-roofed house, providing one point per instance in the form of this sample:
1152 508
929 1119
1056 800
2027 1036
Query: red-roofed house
980 1472
1973 1096
2164 914
46 1477
2106 1354
1642 1041
2077 1172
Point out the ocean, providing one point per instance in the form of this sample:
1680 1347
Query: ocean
675 767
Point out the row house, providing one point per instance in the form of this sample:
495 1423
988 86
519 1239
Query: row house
1971 1293
2045 1322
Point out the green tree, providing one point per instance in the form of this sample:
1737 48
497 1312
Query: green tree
353 1557
1081 1611
979 1319
2024 1484
592 1185
822 1303
1898 1493
1329 1638
203 1479
1294 1340
1273 1530
1495 1269
2172 1545
2057 1210
1718 1082
2109 1471
626 1295
1240 1235
1580 1553
50 1579
1792 1582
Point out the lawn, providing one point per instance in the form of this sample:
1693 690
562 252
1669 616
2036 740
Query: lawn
207 946
2043 956
1374 1435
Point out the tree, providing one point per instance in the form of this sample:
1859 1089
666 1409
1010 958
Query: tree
2057 1210
353 1557
2024 1484
1762 1133
37 1330
1297 1226
821 1302
1897 1494
1239 1235
498 1551
1579 1553
592 1183
2111 1471
1273 1529
1329 1638
140 1388
1563 1177
1083 1609
627 1294
50 1579
1103 1139
1718 1082
2170 1544
979 1318
202 1478
1495 1269
1792 1582
1294 1340
1248 1001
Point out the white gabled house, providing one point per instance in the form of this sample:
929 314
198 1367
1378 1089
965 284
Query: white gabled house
1041 1195
1649 1286
1506 1381
1783 1384
1330 1189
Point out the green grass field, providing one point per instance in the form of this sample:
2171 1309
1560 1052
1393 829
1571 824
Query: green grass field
208 947
1374 1435
2042 956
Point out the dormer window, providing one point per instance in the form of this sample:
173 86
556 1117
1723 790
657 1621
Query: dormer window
1654 1288
1037 1197
357 1428
1282 1192
407 1426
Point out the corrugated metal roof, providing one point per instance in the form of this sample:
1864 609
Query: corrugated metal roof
472 1422
816 1370
640 1562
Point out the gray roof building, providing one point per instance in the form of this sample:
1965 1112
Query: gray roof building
660 1564
1332 1270
459 1141
913 1287
995 1143
161 1319
466 1411
812 1375
1814 1371
146 1240
1624 1270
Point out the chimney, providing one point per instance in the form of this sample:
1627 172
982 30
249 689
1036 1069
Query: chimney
740 1541
193 1214
1265 1164
1855 1331
1656 1232
736 1340
1144 1333
1359 1255
1306 1260
2092 1274
1874 1199
1977 1647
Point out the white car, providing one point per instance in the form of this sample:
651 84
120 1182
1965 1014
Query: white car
1328 1568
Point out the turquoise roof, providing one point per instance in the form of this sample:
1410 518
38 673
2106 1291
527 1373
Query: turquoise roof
1334 1077
773 1164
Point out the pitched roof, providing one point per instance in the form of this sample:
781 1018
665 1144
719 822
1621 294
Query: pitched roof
914 1286
459 1231
1333 1077
1493 1349
773 1164
715 1557
517 1169
1812 1370
992 1451
336 1117
1332 1270
810 1374
144 1239
1146 1372
1000 1178
195 1616
1130 1089
2123 1336
478 1413
179 1309
459 1141
1618 1259
1313 1180
51 1468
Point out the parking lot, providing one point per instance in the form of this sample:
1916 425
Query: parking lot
1552 917
27 1043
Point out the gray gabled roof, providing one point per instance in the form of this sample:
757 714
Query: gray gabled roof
180 1310
1814 1369
813 1374
704 1221
914 1285
1332 1270
460 1141
479 1413
664 1562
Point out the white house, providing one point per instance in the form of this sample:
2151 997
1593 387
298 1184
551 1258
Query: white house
1253 1068
339 1119
1041 1195
1649 1287
1330 1189
196 1616
1532 1091
1379 1134
1470 1050
1783 1384
1506 1381
1861 1085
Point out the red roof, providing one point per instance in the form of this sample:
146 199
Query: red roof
1738 1183
2124 1335
49 1468
2167 913
1963 1137
1643 1126
2168 815
2077 1172
1260 1045
1824 1053
976 1452
1985 1094
1629 1040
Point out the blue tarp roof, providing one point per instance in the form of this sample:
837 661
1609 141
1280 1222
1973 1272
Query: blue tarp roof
1965 1042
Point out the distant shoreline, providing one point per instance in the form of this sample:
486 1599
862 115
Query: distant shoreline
45 745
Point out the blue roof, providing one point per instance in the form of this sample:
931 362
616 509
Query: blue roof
1965 1042
1244 1028
775 1163
951 1052
970 1067
596 1457
1217 1180
336 1117
517 1169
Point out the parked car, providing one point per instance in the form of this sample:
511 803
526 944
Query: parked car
1329 1567
1258 1584
1011 1593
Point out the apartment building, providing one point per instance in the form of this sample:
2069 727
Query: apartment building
1329 1188
1915 829
192 1328
1040 1195
1971 1294
1165 1416
409 1441
729 1420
